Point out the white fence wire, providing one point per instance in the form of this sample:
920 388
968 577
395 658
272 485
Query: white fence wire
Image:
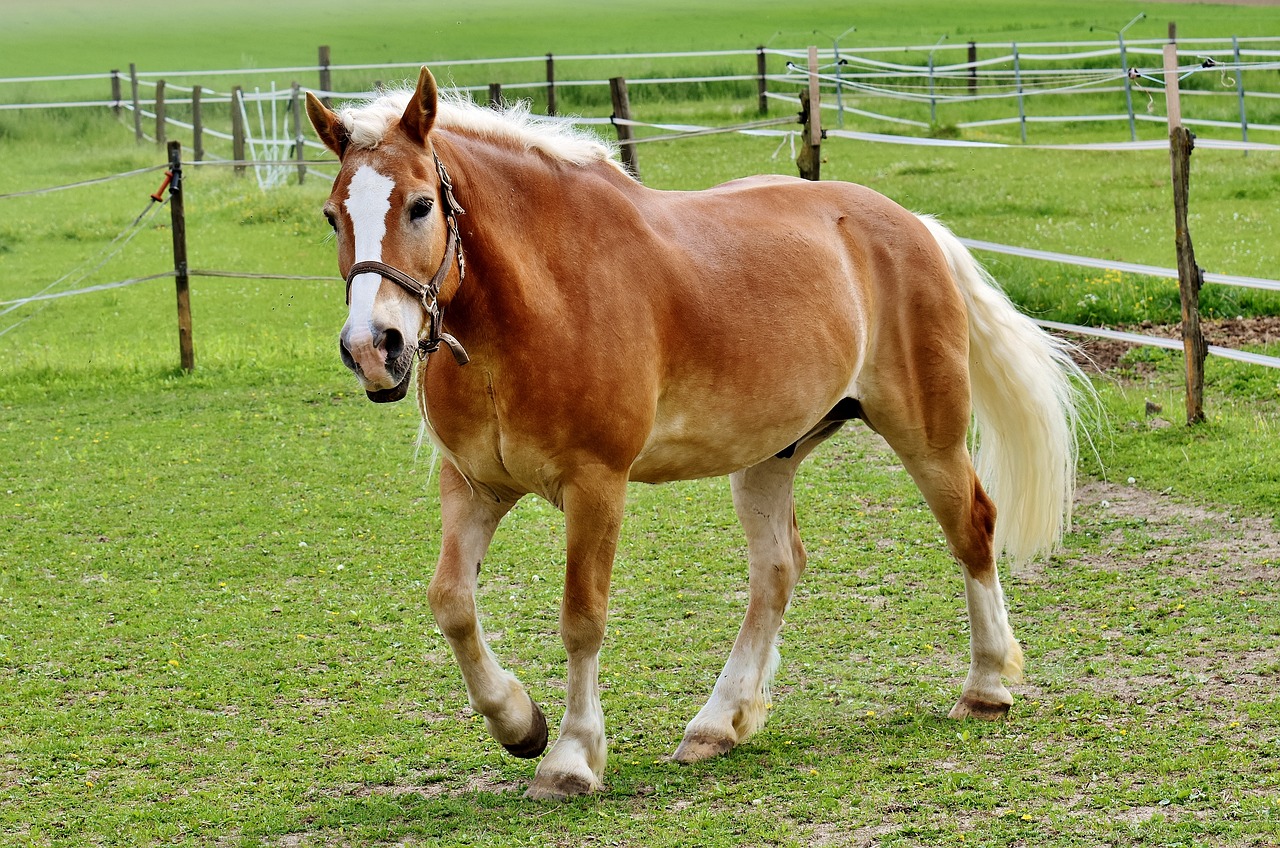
272 142
1016 72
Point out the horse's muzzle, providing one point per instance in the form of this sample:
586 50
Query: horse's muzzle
402 367
392 394
386 364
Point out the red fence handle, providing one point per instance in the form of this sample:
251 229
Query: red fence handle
158 197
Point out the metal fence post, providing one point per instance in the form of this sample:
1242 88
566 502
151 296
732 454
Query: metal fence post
299 140
1244 121
1017 78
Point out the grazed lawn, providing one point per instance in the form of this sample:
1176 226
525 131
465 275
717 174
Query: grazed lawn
219 631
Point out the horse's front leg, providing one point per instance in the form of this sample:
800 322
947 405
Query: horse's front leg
593 506
468 521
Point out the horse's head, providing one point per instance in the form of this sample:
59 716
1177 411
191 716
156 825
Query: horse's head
391 208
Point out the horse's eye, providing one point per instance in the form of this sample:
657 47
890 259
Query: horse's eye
328 216
421 208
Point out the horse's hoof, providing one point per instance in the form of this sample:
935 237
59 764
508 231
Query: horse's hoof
968 707
558 787
695 748
535 741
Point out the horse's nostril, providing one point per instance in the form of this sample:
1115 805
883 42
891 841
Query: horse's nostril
347 359
393 344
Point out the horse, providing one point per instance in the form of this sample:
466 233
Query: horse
602 332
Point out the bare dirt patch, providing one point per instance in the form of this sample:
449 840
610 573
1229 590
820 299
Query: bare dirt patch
1192 540
436 784
1231 2
1213 556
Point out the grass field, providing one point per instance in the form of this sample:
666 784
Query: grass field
239 33
213 628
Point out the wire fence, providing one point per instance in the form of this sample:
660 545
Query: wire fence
912 86
117 244
274 145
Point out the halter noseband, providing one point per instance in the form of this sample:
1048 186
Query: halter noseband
428 294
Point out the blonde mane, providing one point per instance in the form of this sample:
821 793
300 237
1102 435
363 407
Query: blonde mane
368 122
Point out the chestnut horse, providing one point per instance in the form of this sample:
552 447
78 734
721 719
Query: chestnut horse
603 332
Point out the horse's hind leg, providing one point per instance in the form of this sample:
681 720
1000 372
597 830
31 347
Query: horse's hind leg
763 499
946 477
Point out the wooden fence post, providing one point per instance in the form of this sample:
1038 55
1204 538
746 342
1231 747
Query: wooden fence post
116 96
160 112
551 84
299 139
762 83
237 128
1190 277
197 124
973 67
137 109
326 77
186 350
621 117
809 159
495 95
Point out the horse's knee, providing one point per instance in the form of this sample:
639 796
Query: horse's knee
582 631
453 606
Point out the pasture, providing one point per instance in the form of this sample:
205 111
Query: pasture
213 624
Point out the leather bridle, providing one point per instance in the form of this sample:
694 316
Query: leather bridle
429 294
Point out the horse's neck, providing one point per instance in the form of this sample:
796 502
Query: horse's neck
523 209
521 193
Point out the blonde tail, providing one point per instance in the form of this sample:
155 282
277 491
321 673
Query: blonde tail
1026 390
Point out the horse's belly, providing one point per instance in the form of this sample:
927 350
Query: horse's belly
736 404
663 463
711 443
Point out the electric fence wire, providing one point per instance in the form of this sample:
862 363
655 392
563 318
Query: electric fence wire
95 181
81 272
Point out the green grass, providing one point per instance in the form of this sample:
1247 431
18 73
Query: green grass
1223 461
219 633
177 34
213 627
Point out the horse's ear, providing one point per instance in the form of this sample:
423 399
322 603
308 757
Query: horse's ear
420 114
328 125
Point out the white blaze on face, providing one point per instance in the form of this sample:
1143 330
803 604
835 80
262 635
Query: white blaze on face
368 201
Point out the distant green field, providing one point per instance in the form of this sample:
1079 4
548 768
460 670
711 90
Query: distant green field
84 36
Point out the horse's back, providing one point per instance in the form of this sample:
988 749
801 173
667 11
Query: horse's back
784 291
783 221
